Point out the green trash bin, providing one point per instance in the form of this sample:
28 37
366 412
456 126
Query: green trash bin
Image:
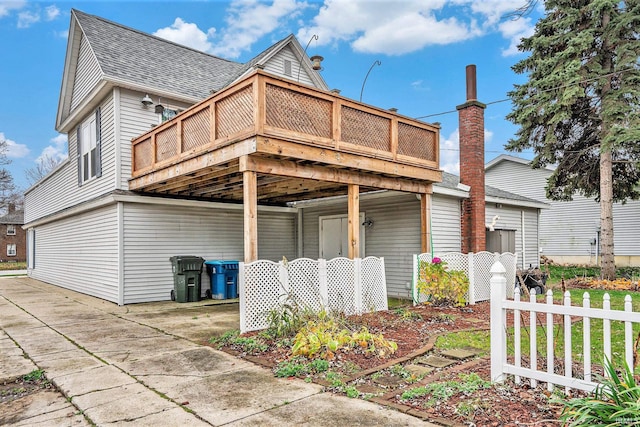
186 278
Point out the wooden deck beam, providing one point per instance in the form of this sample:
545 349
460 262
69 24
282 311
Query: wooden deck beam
207 159
425 223
354 221
331 174
250 201
284 149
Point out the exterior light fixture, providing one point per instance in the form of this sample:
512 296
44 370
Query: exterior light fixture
368 223
146 101
317 62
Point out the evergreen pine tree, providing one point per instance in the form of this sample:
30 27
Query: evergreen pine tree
580 108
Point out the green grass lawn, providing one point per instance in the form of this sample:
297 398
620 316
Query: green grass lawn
597 341
481 339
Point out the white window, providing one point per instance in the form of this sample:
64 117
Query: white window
11 249
89 146
11 230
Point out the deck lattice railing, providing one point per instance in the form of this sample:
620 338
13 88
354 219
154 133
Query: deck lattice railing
264 105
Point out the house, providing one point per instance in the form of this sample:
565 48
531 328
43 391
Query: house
175 152
569 231
12 235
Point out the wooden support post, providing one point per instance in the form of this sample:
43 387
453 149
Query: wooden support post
354 221
425 222
250 202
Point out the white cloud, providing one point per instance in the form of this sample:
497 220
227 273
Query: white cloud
515 30
13 149
51 12
57 150
187 34
63 34
395 28
30 16
7 6
249 20
27 19
450 151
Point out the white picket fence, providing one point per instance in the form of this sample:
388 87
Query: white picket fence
500 305
476 266
350 286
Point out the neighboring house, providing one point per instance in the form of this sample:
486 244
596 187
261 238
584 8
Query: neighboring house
12 236
89 232
569 231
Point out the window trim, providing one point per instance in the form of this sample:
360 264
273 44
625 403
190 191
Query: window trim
11 229
89 157
12 246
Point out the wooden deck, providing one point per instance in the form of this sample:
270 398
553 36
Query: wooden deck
302 143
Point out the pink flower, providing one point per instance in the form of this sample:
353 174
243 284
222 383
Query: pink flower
436 260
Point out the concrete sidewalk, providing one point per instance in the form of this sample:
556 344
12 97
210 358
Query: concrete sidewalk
143 365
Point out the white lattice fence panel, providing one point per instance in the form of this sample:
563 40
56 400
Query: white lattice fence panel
510 263
341 285
482 262
419 298
304 283
478 272
261 290
374 288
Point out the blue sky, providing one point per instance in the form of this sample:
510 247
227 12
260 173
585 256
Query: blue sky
423 47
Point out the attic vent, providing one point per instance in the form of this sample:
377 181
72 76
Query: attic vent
287 67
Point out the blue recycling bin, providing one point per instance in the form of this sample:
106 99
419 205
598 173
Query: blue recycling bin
224 279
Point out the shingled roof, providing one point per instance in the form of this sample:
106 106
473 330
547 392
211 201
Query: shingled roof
129 55
15 217
451 181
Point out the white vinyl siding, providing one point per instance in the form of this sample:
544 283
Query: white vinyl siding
135 120
276 65
395 234
80 253
567 228
88 74
154 233
445 224
60 190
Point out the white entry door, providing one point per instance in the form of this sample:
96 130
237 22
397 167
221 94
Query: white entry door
334 236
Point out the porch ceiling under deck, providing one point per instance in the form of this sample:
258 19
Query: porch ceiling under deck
301 143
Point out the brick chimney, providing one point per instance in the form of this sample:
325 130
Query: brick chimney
471 122
11 208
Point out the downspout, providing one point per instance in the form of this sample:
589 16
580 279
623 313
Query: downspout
300 241
524 245
120 214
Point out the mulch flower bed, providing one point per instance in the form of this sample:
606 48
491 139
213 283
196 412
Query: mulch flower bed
361 373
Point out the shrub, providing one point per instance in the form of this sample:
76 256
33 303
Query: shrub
443 286
324 337
615 402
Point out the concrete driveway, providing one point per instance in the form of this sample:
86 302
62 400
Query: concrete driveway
144 365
